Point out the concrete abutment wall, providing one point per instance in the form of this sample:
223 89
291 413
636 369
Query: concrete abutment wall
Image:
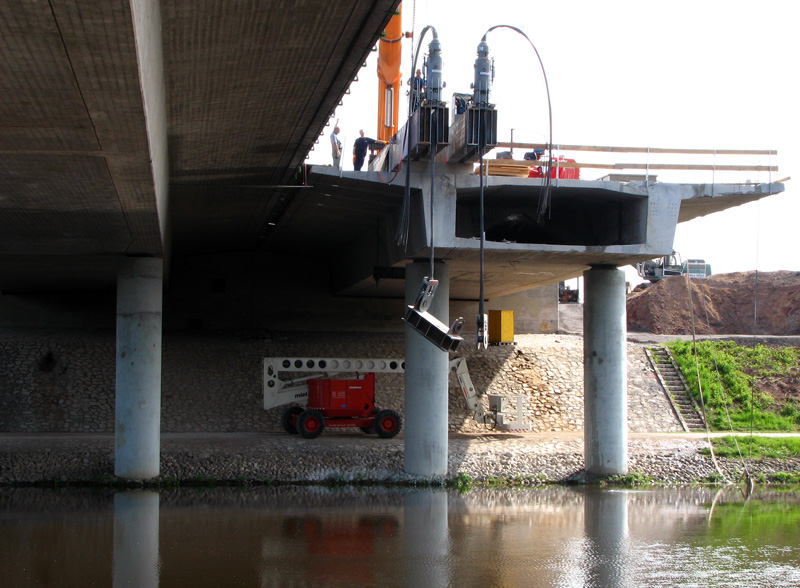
63 380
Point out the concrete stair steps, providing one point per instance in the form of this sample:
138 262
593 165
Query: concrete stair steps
674 385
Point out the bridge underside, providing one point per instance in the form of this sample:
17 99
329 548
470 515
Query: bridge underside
140 128
587 223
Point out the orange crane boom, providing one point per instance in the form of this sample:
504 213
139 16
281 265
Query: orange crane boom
389 51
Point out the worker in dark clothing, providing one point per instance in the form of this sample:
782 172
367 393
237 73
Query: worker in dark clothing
417 89
360 147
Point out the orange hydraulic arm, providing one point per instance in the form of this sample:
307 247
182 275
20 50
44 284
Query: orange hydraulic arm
389 77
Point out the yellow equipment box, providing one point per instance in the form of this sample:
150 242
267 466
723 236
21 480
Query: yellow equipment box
501 326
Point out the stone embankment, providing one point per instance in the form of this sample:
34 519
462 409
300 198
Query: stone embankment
59 381
531 459
56 414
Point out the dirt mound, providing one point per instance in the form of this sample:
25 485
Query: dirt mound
725 304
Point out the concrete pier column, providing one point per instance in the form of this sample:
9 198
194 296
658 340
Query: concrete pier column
138 385
605 366
136 539
426 381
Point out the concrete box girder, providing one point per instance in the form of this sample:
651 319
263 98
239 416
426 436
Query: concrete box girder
589 223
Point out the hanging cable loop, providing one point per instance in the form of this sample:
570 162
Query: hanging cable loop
482 327
544 201
434 144
481 100
403 227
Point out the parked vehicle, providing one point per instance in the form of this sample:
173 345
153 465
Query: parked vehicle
655 270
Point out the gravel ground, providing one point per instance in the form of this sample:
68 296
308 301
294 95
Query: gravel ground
354 457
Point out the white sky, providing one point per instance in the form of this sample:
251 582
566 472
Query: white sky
712 74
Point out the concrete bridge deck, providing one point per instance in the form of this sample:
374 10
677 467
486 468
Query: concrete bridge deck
589 223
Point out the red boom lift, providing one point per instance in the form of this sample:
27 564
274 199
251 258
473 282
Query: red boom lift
341 403
315 402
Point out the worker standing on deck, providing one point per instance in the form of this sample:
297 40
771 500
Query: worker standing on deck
417 89
360 149
336 147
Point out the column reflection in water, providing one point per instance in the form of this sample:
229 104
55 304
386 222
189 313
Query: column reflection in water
425 539
136 539
606 528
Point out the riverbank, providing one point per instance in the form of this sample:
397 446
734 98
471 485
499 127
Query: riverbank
344 457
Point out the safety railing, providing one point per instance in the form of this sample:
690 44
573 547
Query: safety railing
718 163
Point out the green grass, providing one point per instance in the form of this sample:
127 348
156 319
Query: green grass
789 478
755 523
727 373
463 483
757 447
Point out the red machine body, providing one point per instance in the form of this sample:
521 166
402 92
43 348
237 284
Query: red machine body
343 398
565 173
341 403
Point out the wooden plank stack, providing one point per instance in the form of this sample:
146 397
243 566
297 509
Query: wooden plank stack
506 167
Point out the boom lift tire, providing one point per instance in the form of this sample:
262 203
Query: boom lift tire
310 424
289 419
388 424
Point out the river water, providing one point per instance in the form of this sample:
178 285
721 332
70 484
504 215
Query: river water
295 536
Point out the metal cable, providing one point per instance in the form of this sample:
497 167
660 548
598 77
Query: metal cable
403 226
700 383
482 228
544 199
721 387
432 152
755 328
755 320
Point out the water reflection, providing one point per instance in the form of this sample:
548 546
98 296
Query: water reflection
606 527
313 547
425 539
136 539
299 536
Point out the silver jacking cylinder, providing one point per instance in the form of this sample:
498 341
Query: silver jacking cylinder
483 76
433 87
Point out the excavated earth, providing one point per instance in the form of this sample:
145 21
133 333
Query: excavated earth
742 303
746 307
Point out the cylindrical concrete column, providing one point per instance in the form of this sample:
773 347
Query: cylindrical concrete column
605 366
136 539
426 381
138 385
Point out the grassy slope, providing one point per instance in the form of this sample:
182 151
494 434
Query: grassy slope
729 376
